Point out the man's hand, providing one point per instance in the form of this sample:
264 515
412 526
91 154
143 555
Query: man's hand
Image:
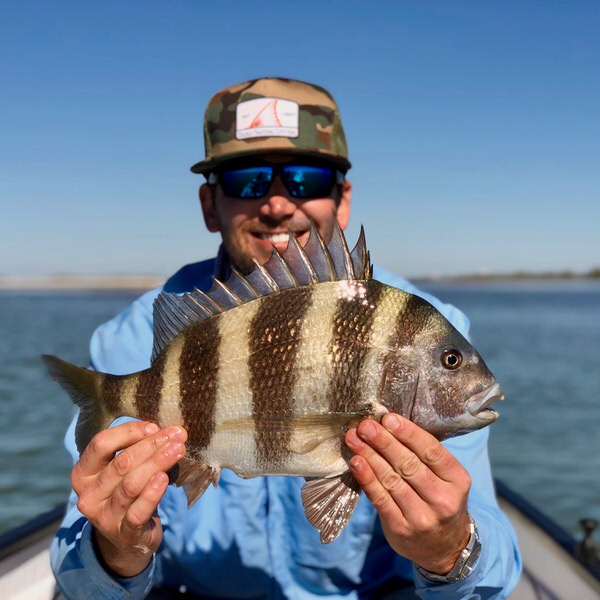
119 493
417 487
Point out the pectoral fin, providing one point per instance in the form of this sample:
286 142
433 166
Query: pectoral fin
329 503
193 477
307 431
311 431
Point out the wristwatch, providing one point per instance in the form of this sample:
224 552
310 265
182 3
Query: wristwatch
465 563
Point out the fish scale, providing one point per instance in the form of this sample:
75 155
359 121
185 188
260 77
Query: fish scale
268 371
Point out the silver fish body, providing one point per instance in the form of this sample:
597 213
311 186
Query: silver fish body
268 371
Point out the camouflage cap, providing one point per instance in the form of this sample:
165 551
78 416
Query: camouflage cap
272 115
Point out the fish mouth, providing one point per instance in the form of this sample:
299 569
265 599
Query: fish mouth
479 404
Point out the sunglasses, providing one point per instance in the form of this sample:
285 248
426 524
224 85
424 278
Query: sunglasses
301 180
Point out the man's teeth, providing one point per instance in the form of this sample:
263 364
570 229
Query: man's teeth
275 238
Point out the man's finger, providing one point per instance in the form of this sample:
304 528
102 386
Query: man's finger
144 507
129 459
385 488
424 445
381 499
105 444
134 483
399 469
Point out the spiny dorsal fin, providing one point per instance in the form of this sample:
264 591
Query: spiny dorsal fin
342 261
360 257
224 295
262 280
296 267
319 256
242 286
173 314
299 263
281 271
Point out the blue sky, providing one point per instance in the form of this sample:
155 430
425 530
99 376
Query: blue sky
473 127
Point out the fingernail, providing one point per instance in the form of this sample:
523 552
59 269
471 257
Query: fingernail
175 433
353 440
159 479
151 428
173 449
367 429
392 422
356 464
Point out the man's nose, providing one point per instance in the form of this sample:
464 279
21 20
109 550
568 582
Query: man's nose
279 203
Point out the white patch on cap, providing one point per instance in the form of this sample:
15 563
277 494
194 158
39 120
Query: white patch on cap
266 117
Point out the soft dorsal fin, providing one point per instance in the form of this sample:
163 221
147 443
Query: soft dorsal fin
296 267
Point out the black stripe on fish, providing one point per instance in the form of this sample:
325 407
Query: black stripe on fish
399 386
112 391
412 320
149 390
273 346
352 329
198 376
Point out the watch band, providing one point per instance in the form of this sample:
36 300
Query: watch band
465 563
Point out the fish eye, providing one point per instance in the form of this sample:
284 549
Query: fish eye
451 359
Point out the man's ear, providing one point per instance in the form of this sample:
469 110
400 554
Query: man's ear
207 203
343 209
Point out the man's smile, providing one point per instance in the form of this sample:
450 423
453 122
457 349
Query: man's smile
279 239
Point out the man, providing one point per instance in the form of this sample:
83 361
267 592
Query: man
275 160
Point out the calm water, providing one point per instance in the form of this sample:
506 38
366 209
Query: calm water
542 341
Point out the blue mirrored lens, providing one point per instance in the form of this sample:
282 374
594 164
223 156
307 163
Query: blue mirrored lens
247 183
308 182
302 181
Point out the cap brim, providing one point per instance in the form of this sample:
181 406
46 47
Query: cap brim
207 165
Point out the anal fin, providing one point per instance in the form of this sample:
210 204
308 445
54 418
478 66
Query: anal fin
329 503
194 477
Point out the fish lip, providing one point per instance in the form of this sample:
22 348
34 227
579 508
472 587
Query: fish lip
479 404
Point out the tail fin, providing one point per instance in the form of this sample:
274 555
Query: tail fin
85 389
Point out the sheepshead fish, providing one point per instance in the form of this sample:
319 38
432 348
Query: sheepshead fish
269 370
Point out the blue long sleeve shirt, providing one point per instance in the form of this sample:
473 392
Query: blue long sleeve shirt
249 538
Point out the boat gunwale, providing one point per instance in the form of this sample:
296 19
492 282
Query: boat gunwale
17 538
550 527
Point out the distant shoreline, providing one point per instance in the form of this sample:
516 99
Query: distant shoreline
147 282
80 282
513 277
